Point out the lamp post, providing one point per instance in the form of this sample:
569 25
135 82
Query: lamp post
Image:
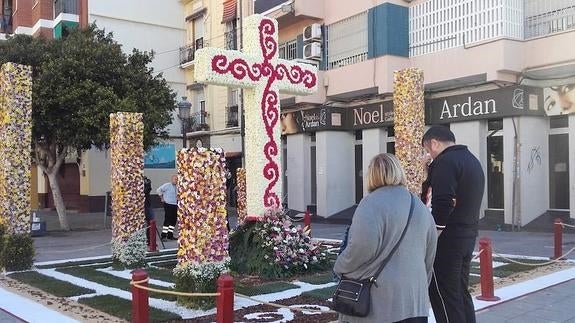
184 108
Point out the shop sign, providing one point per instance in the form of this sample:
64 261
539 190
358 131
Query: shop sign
559 100
324 118
499 103
372 116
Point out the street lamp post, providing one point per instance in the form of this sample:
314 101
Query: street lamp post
184 108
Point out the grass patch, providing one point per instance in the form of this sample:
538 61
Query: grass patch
105 279
50 285
323 293
317 279
168 264
160 274
122 308
267 288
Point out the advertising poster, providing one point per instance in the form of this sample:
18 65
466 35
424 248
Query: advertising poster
161 156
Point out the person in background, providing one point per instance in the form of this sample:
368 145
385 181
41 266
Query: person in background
168 196
400 293
148 212
457 181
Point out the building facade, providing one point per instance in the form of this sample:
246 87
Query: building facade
500 74
216 110
136 24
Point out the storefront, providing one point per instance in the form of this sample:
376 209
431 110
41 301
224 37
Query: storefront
517 132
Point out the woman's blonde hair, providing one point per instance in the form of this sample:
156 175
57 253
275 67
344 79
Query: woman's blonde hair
385 170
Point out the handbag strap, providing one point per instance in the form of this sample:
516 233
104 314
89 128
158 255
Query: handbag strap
386 260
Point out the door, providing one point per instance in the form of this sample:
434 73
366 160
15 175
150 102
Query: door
559 171
358 173
69 180
495 191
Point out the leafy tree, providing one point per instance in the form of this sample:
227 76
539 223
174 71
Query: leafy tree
77 82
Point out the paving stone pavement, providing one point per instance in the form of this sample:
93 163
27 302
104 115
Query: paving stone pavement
550 305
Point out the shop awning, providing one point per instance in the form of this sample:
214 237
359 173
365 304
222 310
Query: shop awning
230 9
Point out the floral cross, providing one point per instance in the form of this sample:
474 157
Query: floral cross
259 70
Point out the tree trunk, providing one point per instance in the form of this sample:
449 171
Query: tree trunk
50 158
58 200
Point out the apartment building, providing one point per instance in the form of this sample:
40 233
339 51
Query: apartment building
499 73
216 110
136 24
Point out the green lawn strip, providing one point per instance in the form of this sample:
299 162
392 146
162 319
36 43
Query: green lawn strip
107 260
122 308
111 280
317 279
169 264
266 288
322 293
50 285
160 274
473 280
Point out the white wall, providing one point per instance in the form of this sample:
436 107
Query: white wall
508 153
534 176
298 171
473 134
335 171
373 143
157 25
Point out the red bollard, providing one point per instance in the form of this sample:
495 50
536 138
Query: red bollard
140 306
486 271
225 302
558 230
307 223
153 246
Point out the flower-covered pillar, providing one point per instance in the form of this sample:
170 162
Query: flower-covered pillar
263 75
127 174
241 191
15 146
409 124
202 221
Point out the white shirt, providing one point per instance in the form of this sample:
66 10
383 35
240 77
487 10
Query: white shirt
168 192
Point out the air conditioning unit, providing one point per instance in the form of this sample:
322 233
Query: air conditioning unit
312 51
312 33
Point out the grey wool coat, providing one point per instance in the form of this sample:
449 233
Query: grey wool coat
377 224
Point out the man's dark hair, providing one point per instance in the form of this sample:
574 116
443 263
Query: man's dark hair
439 133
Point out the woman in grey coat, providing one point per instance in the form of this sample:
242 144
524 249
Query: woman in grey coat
401 293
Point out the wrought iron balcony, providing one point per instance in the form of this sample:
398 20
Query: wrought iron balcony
200 121
187 53
232 115
544 17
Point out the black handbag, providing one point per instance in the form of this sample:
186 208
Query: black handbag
352 296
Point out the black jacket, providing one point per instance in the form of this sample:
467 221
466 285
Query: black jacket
457 182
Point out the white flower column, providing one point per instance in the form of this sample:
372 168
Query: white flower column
263 75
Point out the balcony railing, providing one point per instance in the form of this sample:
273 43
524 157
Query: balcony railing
231 39
200 121
544 17
187 53
65 6
232 119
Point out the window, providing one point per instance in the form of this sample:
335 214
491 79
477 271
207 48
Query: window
347 41
198 32
288 50
232 116
559 122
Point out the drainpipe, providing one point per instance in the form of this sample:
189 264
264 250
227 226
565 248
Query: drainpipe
516 198
241 112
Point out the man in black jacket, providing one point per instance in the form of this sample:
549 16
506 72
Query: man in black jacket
457 182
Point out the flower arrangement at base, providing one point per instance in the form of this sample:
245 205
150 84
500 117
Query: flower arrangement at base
130 253
199 278
274 247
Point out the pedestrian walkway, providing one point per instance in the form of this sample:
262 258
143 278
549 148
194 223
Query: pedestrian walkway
15 308
549 305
